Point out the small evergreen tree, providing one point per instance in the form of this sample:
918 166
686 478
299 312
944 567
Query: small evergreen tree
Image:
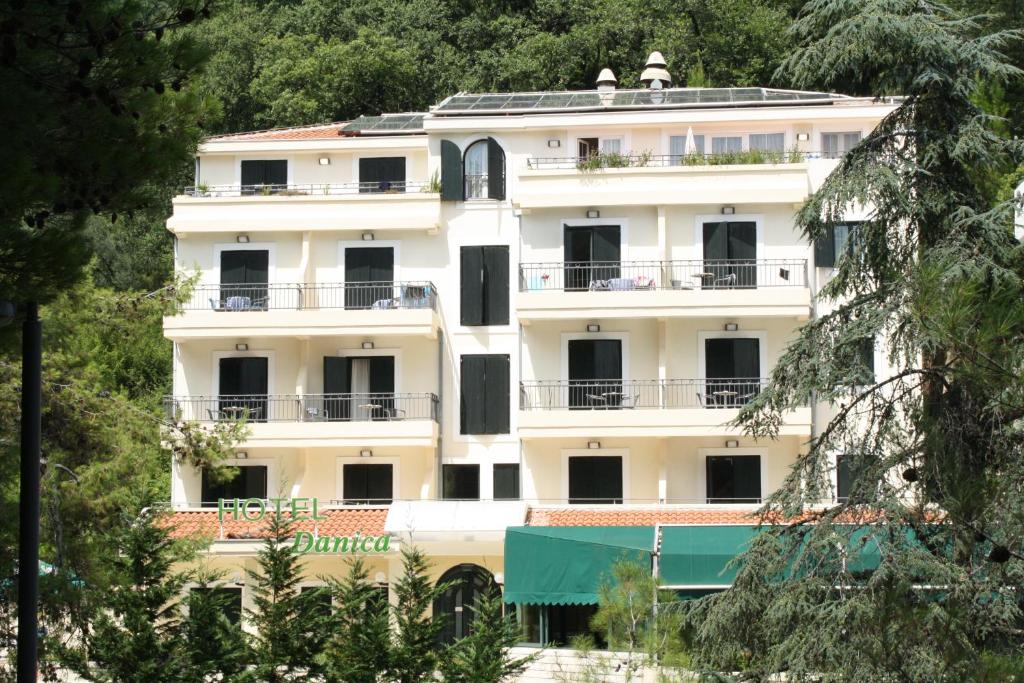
484 655
360 635
415 648
289 630
213 644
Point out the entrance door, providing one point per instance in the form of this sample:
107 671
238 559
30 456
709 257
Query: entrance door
592 256
454 605
243 389
730 255
359 387
732 371
595 373
369 277
243 280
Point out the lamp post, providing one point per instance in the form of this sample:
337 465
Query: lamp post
28 502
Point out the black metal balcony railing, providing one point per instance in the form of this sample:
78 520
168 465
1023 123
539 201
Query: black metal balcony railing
363 407
612 160
309 189
646 275
348 295
627 394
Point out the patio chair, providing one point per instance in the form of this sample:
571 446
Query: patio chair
394 413
727 281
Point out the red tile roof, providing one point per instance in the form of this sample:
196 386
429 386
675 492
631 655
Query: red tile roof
637 517
345 522
323 131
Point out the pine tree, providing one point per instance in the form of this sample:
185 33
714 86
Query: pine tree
289 630
414 652
935 449
213 644
484 655
360 634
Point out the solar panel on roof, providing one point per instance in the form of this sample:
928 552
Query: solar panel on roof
385 123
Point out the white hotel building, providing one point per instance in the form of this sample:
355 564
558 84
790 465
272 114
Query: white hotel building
531 310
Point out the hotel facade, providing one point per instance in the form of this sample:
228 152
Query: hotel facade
512 331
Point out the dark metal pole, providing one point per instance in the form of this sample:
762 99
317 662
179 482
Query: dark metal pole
28 508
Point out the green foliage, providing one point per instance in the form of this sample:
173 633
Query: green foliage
414 650
359 644
214 646
484 655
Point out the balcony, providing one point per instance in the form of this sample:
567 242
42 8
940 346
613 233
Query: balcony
641 408
310 420
644 179
658 289
348 206
276 310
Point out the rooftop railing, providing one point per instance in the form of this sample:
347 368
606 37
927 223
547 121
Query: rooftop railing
348 407
309 189
612 160
581 276
304 296
638 394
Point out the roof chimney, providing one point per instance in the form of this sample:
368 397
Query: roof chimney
606 80
655 71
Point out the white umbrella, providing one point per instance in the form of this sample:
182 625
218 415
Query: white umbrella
691 144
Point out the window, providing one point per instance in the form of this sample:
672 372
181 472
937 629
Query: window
242 388
506 481
730 255
595 373
865 370
835 145
588 147
250 482
243 280
367 484
726 145
483 170
734 479
228 599
677 147
460 482
257 173
592 255
768 142
557 625
382 174
484 400
836 241
844 478
357 388
369 277
484 291
595 480
732 370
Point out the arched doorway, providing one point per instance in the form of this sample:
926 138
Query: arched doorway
455 604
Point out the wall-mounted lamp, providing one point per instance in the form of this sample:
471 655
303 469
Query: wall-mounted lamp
593 327
499 578
367 345
732 443
242 239
366 453
593 445
367 236
803 137
554 143
593 213
731 327
728 210
241 455
237 580
241 347
325 161
380 577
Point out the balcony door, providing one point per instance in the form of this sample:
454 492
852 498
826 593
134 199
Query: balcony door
367 484
243 280
369 277
732 371
382 174
595 480
592 256
595 373
734 479
359 388
730 255
243 388
250 482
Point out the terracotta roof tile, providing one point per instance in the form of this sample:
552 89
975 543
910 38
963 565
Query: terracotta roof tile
323 131
637 517
345 522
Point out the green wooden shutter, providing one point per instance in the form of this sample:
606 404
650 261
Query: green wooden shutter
451 171
495 170
495 291
472 395
471 288
825 249
497 394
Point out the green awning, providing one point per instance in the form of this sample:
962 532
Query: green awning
696 556
565 565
